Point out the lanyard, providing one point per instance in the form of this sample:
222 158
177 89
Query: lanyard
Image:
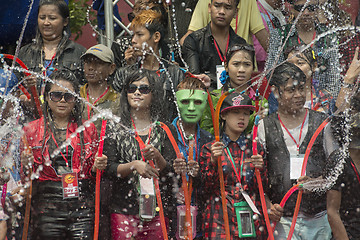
139 140
67 135
184 143
266 12
302 125
87 99
356 171
238 175
299 41
222 58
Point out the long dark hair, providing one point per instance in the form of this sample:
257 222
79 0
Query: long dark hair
64 13
157 105
67 76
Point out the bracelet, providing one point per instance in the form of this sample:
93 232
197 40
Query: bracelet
347 85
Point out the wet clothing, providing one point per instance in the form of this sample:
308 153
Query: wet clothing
176 74
326 50
213 214
278 157
110 101
34 132
58 218
202 137
200 51
69 57
121 147
349 186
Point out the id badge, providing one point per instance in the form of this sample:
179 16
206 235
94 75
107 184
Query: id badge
70 185
181 214
244 216
296 162
147 199
219 70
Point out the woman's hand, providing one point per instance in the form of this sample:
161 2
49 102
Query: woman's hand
100 162
205 79
27 159
179 165
145 170
150 153
30 81
256 160
216 151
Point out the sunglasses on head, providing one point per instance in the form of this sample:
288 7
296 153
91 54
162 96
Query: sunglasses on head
57 96
143 89
242 47
310 7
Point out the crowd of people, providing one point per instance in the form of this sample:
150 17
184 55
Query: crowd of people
205 138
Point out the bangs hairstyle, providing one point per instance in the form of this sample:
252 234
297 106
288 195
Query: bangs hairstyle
241 47
287 71
192 83
308 54
157 104
355 102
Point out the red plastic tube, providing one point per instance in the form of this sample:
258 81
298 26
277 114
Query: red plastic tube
220 171
98 180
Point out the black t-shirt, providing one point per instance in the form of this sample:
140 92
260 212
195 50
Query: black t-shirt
349 186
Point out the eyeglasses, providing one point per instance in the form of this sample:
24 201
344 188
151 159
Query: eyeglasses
57 96
242 47
143 89
310 7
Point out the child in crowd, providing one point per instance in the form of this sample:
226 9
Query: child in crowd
235 151
192 99
239 67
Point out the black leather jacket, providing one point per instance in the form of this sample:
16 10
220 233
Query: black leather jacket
200 52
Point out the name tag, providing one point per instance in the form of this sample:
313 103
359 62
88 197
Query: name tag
70 185
296 162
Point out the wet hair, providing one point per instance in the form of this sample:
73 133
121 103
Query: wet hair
157 103
241 47
192 83
286 71
235 1
355 102
64 12
153 21
309 54
67 76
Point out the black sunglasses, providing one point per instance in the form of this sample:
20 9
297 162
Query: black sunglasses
235 48
311 8
143 89
57 96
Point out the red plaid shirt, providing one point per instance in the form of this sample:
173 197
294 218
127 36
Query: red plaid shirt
213 215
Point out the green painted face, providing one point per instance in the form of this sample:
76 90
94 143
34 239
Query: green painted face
191 104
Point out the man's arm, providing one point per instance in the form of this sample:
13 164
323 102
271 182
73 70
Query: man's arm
182 40
191 54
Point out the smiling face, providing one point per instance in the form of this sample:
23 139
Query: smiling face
138 100
50 23
308 16
237 120
240 68
60 109
191 104
222 12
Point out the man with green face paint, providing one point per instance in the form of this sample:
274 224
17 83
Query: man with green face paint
192 100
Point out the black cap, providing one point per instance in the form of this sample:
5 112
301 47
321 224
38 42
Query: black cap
235 101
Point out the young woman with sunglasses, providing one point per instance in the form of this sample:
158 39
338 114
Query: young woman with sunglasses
239 67
305 31
62 197
129 163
